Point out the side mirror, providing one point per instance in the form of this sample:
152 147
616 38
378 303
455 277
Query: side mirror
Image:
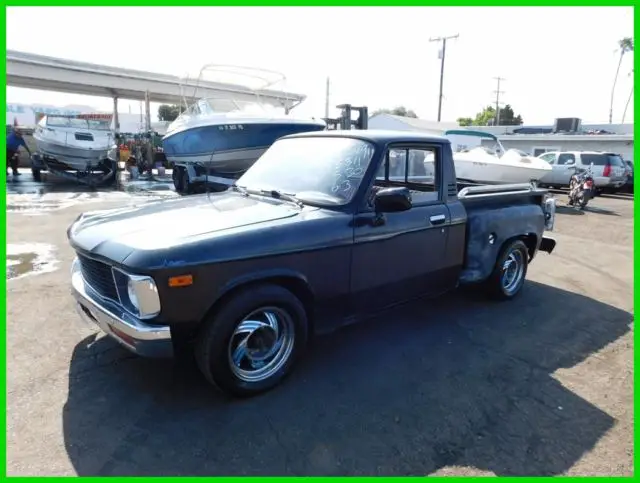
390 200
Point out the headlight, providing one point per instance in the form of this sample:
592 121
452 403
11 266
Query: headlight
133 297
138 294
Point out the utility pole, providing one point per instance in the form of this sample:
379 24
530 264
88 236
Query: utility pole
442 55
326 99
498 92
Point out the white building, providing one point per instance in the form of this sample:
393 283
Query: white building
615 138
401 123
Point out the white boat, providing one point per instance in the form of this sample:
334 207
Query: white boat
495 165
75 142
220 138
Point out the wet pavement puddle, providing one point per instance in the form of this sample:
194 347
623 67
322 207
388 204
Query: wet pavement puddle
27 197
25 259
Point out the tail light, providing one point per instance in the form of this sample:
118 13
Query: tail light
607 171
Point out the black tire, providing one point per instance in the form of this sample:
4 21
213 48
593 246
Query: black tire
176 176
181 181
583 201
517 251
214 342
185 186
35 172
110 167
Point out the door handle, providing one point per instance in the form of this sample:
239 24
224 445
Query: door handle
437 219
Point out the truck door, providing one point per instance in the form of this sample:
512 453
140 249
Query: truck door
401 257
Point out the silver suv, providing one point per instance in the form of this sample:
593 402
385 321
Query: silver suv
608 169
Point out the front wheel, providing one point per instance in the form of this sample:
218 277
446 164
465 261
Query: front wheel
252 343
508 276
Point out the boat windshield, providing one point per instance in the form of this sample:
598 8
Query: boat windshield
216 106
324 171
78 123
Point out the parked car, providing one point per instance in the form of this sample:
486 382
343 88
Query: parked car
608 169
315 235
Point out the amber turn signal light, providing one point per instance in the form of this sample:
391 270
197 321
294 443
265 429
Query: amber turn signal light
180 281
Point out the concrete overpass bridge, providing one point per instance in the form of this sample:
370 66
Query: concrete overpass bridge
55 74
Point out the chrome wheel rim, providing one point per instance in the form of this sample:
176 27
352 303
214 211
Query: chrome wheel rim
512 271
261 344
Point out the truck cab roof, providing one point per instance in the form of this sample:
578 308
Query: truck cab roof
377 136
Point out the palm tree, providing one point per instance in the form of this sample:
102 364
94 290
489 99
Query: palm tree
624 45
624 114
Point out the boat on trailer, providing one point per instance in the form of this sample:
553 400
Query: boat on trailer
215 140
80 147
495 164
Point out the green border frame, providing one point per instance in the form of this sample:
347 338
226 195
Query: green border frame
380 3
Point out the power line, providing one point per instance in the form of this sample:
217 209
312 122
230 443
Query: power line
497 93
442 55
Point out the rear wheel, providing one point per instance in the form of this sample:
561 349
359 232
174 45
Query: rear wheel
582 201
508 276
253 342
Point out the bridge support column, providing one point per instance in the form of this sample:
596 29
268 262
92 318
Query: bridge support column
116 119
147 111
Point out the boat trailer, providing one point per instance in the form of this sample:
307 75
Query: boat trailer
93 179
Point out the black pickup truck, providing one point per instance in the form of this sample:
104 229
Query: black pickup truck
323 230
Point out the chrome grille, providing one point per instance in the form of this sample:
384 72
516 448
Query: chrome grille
98 275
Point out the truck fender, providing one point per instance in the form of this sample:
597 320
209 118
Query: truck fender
291 280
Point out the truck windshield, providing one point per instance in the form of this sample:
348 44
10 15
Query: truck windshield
317 170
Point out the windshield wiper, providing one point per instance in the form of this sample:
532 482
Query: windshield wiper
240 189
279 195
271 193
283 196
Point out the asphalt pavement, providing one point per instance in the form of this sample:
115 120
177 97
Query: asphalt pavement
542 385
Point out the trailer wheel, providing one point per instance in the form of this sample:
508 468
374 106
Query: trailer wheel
180 179
253 342
110 166
185 186
175 177
35 172
510 271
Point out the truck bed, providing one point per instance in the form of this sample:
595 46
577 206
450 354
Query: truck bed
494 213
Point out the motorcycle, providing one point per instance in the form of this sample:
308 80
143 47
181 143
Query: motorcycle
581 189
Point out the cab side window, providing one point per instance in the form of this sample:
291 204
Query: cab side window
566 158
549 158
414 168
411 167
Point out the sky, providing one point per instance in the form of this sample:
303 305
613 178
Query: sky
556 61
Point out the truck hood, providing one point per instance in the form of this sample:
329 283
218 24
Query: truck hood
115 234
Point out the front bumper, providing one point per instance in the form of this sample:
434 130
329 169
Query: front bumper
137 336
